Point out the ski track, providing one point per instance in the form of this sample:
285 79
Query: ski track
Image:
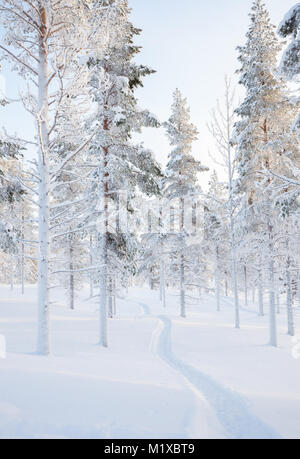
145 308
230 407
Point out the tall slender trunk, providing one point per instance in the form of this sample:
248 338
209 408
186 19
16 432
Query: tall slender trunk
163 283
226 284
43 343
182 264
272 306
289 294
217 279
91 263
162 260
110 299
246 285
71 278
114 299
260 293
231 217
104 253
278 303
11 271
22 256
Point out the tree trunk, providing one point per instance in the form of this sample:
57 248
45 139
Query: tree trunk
163 283
182 288
91 263
104 253
278 303
260 293
226 284
71 278
246 285
22 256
289 295
272 306
182 264
235 288
11 271
217 280
110 300
43 342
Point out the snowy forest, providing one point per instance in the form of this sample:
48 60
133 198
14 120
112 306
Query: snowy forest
127 281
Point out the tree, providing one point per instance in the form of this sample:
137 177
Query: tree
181 172
290 64
262 135
43 40
216 230
221 128
117 162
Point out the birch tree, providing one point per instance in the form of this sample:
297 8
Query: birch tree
221 128
43 39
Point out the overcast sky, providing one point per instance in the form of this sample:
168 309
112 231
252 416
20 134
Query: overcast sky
191 45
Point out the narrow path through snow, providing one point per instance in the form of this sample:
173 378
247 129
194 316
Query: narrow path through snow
231 409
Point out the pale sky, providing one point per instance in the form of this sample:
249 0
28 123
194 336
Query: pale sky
192 45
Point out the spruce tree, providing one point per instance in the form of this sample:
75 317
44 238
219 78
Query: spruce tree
181 174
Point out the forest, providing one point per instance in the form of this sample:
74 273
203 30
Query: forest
93 224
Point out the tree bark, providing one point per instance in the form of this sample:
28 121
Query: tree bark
71 279
272 306
289 295
43 342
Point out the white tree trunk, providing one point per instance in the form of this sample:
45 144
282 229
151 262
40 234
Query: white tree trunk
71 279
182 288
110 300
182 265
91 263
43 344
22 256
217 280
260 293
246 285
289 297
278 303
272 306
235 285
103 295
103 255
11 271
114 305
163 283
226 284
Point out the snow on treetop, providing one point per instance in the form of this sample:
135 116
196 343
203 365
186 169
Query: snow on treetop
291 21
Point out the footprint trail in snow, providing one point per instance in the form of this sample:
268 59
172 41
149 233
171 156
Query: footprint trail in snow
231 408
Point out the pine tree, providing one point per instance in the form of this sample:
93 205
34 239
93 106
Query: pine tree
181 172
216 231
119 164
262 136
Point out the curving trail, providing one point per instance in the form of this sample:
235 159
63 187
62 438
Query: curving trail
230 408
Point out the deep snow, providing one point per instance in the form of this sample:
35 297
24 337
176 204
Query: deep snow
162 376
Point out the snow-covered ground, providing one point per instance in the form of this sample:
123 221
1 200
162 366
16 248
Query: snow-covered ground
162 376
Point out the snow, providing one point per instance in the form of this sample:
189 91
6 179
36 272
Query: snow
161 377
